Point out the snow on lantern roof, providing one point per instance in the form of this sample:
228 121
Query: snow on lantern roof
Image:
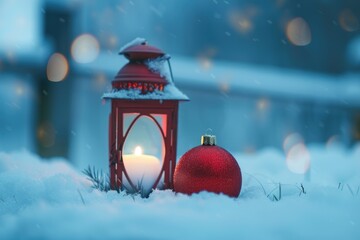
136 41
170 92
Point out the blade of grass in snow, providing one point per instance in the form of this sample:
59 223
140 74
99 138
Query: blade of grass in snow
351 191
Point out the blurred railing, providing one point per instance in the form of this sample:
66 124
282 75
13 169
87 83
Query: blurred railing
247 107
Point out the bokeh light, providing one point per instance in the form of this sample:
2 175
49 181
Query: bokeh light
298 159
298 32
10 56
113 41
205 63
57 68
297 155
241 22
348 20
205 58
262 104
19 90
224 82
85 48
224 86
291 140
46 134
333 141
99 82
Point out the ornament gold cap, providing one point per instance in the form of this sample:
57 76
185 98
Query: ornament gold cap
208 140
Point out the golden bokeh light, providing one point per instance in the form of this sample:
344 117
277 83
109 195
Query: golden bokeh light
57 68
224 82
46 134
99 82
205 63
241 22
262 104
298 32
85 48
224 87
244 25
100 79
348 20
112 41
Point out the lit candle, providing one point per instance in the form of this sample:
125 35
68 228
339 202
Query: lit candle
142 169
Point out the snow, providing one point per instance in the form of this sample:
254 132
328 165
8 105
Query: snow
157 65
136 41
170 92
48 199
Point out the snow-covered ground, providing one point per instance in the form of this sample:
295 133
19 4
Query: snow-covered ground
48 199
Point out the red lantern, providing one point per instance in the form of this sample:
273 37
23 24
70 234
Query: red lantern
143 121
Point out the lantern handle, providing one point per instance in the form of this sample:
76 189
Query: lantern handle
167 57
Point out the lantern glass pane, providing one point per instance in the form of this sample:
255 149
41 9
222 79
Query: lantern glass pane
162 121
128 119
143 152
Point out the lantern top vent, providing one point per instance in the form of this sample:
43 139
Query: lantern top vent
141 52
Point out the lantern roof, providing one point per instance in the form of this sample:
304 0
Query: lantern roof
145 76
141 52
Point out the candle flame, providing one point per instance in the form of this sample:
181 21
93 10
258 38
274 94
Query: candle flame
138 151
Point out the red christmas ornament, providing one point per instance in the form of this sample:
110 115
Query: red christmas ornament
208 168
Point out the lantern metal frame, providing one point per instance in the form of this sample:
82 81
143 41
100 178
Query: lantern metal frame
118 135
129 96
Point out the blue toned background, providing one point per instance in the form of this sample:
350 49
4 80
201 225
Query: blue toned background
256 72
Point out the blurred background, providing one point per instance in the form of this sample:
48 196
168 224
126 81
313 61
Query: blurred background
258 73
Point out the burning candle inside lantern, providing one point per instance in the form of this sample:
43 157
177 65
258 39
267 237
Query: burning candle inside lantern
142 169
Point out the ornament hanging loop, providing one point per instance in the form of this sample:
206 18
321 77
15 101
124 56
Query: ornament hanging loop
208 131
